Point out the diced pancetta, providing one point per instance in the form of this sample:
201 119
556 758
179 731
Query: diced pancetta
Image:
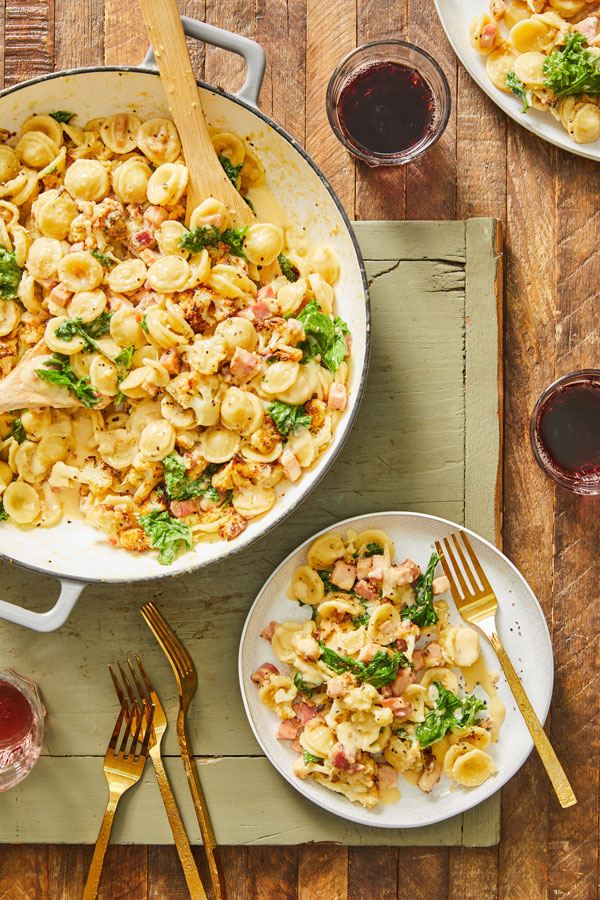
433 655
337 397
377 570
366 591
368 652
339 685
291 467
588 28
400 708
155 215
267 633
362 567
387 777
343 575
440 585
306 712
402 681
264 672
266 293
406 573
488 35
181 508
418 660
244 365
288 730
60 295
169 360
342 757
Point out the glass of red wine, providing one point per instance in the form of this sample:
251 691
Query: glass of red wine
565 431
388 102
21 727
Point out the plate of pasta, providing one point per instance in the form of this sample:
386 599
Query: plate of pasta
538 60
203 377
368 692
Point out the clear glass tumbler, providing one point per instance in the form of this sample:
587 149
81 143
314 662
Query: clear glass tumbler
565 431
388 102
21 727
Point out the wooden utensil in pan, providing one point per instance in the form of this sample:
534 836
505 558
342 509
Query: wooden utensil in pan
206 175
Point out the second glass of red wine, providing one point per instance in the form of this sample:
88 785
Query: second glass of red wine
565 431
388 102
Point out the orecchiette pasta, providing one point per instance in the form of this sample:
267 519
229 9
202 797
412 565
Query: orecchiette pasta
526 42
200 382
378 693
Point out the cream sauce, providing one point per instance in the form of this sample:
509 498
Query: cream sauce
389 796
478 673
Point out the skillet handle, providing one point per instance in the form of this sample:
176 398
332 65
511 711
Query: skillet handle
252 52
53 618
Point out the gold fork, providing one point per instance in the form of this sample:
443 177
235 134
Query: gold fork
122 768
187 682
143 702
478 606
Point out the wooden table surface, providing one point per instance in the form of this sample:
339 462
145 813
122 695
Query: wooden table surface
484 165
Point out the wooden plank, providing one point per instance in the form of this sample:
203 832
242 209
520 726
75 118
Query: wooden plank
323 872
380 191
227 70
573 835
29 39
165 878
67 871
281 30
529 355
85 19
23 872
373 873
431 180
272 872
422 874
235 865
125 38
471 874
325 47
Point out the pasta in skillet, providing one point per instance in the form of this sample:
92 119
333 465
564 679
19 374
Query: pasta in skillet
205 364
547 52
375 683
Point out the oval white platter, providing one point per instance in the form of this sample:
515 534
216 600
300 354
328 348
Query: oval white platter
456 16
521 625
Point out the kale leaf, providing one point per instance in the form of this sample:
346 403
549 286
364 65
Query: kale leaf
208 236
309 758
324 337
518 89
58 371
89 331
288 268
18 431
374 549
288 417
303 686
10 275
450 712
62 116
382 669
3 513
169 536
572 70
144 323
423 611
106 261
181 487
232 172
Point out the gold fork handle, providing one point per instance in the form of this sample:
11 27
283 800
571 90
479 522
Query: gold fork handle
555 771
184 851
93 880
208 837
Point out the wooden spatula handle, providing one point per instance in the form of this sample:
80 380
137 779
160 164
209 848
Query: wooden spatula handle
206 175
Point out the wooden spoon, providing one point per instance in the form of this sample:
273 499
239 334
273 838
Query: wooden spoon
206 175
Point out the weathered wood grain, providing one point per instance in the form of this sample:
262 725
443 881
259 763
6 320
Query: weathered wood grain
29 39
323 872
471 874
529 365
372 873
325 47
281 31
431 179
422 873
381 191
272 872
86 19
67 871
23 872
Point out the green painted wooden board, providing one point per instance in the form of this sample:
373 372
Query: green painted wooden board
427 438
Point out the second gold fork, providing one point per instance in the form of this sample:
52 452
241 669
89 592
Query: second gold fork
148 699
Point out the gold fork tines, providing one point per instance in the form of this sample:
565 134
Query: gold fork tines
139 698
122 769
477 603
187 682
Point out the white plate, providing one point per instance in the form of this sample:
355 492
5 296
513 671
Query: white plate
456 16
521 625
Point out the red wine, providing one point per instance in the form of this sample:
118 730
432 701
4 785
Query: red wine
16 715
568 427
386 108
